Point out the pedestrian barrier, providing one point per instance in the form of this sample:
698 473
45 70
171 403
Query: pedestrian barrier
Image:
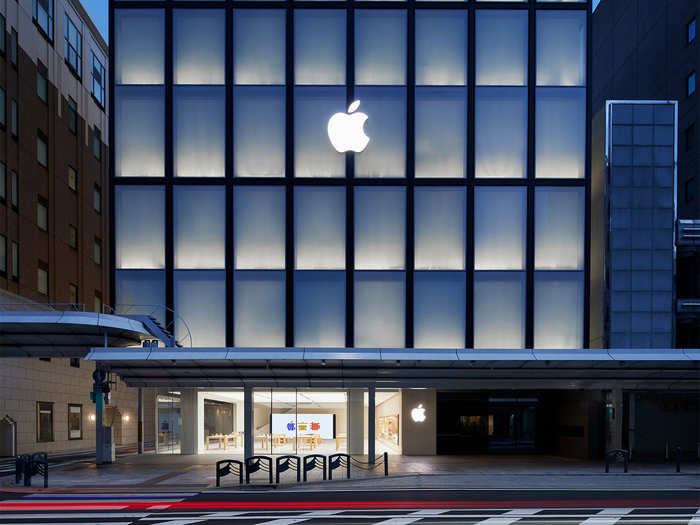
258 463
285 463
229 466
35 465
337 461
20 461
313 461
615 456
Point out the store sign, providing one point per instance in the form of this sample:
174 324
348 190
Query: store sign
346 130
293 425
418 414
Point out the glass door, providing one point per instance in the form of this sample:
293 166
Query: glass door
169 421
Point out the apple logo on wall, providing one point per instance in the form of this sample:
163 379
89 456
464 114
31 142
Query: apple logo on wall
345 130
418 414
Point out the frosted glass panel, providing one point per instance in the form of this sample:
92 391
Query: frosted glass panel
499 310
319 46
380 228
385 155
258 309
439 309
499 228
199 46
441 47
259 227
139 51
441 132
559 228
314 156
560 139
139 214
258 47
199 227
440 224
501 48
319 228
380 47
319 309
258 131
558 309
379 310
199 131
140 131
561 48
501 132
200 300
140 292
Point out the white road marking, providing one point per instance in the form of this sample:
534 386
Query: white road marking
509 517
695 520
606 517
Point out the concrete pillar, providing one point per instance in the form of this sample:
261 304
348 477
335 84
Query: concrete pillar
371 450
617 414
192 415
248 421
356 421
139 429
418 422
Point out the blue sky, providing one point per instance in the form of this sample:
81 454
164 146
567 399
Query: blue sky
97 9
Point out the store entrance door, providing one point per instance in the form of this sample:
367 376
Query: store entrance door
511 424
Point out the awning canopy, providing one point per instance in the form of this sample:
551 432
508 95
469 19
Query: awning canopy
53 333
402 368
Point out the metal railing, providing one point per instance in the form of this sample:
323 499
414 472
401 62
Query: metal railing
155 311
42 307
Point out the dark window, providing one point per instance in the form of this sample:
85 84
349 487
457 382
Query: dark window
42 278
72 116
97 199
72 294
3 255
3 28
689 190
690 84
44 422
43 16
72 178
3 183
690 137
73 48
97 143
13 47
14 190
14 119
3 108
97 251
42 83
42 149
75 363
15 261
97 301
98 81
690 31
42 214
72 236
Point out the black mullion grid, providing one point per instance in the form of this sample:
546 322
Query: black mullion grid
289 178
587 175
471 95
112 164
410 176
228 105
530 210
169 257
349 182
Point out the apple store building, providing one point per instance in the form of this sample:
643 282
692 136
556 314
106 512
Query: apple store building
364 222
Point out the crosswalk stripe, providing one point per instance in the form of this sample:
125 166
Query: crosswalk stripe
606 517
695 520
509 517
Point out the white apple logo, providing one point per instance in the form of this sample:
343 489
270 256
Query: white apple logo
345 130
418 414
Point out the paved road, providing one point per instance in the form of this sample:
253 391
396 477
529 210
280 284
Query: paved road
352 507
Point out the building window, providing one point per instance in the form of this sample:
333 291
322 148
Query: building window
97 251
44 420
42 278
72 236
72 294
97 199
14 190
75 412
3 183
13 46
72 116
43 16
42 150
42 214
3 255
690 137
72 178
98 81
14 119
15 261
689 190
73 48
75 362
97 302
3 108
690 84
690 31
42 83
3 28
97 143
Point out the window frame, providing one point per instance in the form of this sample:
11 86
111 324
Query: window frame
80 411
41 202
97 198
100 83
46 32
690 31
690 79
3 255
73 186
97 306
3 108
39 406
73 242
72 115
77 68
14 257
42 77
14 119
14 190
40 137
3 183
14 47
3 39
71 288
42 267
97 143
97 251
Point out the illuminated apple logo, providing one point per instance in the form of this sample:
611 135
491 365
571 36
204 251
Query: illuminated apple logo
418 414
345 130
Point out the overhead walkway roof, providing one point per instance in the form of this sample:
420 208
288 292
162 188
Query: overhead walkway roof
403 368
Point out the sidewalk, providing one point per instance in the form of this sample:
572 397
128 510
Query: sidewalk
166 473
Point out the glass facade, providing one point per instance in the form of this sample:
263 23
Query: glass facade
463 224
